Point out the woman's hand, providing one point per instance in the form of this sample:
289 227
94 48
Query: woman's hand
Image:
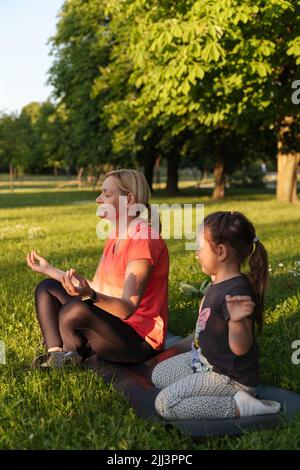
75 285
37 263
239 306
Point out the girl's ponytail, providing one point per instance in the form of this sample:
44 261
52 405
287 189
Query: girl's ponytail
258 278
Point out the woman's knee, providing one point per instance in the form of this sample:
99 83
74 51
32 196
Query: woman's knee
45 285
73 313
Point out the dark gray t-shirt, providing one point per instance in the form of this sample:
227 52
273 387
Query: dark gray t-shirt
211 334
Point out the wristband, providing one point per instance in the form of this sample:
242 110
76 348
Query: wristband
92 297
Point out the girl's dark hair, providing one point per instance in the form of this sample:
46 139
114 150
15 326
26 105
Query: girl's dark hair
235 230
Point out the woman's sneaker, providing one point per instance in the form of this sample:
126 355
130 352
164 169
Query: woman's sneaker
56 360
37 361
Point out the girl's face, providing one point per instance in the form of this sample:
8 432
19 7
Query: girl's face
207 256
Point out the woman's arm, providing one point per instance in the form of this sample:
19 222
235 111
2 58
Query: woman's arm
240 327
59 275
137 276
40 265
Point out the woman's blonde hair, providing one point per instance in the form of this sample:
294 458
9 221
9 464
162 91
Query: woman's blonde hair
132 181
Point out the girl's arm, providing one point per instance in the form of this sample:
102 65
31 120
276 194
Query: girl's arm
240 338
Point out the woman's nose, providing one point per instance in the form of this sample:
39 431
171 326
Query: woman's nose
99 199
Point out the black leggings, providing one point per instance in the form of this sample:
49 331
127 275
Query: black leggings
74 325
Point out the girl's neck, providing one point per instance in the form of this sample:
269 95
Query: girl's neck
225 273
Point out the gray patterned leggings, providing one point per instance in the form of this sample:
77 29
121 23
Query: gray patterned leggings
200 395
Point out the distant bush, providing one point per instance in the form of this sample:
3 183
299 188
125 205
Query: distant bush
251 176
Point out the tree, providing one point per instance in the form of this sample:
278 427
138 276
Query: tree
80 48
13 150
214 63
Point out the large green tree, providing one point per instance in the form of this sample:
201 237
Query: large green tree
217 63
80 48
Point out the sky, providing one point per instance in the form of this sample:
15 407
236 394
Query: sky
25 27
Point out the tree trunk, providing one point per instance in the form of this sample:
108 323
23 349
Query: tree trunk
172 175
287 167
11 176
157 170
148 170
295 197
287 162
98 180
90 175
79 176
220 181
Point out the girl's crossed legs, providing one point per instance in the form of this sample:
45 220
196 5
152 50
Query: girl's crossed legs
186 395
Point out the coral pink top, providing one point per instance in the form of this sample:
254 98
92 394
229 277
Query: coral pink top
151 317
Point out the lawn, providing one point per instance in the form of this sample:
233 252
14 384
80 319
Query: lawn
74 409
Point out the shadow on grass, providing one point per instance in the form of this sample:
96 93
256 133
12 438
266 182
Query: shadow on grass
59 197
40 199
252 194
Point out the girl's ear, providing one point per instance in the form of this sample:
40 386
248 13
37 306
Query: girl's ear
222 252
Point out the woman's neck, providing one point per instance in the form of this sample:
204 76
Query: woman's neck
121 228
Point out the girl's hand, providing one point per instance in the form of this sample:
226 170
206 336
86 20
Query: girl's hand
239 306
75 285
37 263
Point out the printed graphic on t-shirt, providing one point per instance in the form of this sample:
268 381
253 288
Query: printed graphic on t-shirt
201 322
203 317
199 362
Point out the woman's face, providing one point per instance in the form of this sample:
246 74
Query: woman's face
108 200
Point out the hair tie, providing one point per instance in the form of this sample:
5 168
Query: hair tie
255 239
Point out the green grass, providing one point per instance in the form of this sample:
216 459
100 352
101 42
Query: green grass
74 409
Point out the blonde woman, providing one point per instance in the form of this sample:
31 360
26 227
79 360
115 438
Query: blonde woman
121 315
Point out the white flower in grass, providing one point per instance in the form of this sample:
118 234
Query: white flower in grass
280 265
35 232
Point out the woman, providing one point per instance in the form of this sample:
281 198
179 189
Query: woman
121 315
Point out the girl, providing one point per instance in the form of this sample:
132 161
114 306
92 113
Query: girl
218 378
121 315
